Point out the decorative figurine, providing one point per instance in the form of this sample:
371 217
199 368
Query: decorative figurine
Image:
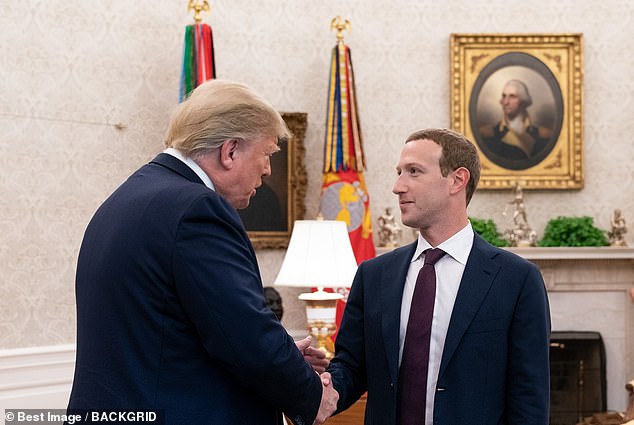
389 231
618 231
521 234
274 301
629 412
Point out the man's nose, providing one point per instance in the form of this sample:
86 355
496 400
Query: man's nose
398 186
267 168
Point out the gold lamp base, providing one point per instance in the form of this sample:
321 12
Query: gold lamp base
321 313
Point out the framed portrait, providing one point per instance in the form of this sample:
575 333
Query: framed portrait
519 97
279 201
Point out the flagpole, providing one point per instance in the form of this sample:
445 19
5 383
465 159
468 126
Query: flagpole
344 195
198 7
199 64
341 25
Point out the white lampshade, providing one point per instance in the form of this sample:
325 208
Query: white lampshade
319 255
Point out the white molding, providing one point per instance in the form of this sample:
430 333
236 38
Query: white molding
574 253
36 377
561 253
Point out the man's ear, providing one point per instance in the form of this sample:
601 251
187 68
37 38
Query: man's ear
227 153
460 180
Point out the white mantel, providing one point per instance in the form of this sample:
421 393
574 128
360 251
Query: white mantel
589 290
575 253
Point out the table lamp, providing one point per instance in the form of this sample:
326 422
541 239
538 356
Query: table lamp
319 255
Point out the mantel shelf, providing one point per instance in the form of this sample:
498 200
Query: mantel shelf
575 253
563 253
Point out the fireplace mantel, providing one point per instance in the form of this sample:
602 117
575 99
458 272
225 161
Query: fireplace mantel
589 290
575 253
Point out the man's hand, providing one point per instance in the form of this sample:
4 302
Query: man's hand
316 358
329 399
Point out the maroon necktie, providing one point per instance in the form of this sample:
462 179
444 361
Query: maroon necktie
412 376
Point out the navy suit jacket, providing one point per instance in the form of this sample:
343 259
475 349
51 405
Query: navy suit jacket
494 367
171 314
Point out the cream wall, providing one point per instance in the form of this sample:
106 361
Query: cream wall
72 69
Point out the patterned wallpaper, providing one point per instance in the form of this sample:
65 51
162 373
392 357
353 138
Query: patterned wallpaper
73 69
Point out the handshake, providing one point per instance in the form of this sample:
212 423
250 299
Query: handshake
329 396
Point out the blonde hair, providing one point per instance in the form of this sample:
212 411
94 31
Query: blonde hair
221 110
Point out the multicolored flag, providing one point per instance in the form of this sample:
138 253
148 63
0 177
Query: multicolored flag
198 58
343 193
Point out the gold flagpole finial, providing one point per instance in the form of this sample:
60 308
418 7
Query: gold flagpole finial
198 7
340 25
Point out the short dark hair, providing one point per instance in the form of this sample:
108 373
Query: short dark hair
457 151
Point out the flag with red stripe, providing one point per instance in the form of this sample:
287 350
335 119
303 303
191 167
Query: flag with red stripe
198 59
344 195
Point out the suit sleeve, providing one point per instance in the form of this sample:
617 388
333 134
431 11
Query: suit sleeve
348 368
218 282
528 377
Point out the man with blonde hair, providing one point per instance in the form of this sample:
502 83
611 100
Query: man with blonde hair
171 315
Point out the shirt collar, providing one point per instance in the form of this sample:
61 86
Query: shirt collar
458 246
191 164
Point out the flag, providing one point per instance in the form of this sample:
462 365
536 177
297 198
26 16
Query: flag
343 192
198 59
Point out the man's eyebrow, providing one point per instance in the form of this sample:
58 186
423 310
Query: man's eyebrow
409 165
274 150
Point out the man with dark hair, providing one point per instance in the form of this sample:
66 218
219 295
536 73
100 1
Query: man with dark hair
448 330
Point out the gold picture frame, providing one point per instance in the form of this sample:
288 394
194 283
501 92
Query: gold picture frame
546 152
279 201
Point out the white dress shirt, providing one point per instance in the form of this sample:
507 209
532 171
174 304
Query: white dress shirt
449 270
191 164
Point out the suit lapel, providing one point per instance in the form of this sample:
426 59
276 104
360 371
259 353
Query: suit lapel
392 282
479 273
